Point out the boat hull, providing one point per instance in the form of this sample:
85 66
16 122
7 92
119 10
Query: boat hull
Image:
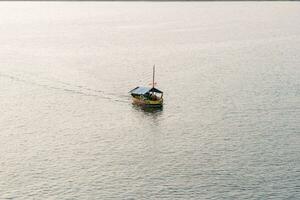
148 103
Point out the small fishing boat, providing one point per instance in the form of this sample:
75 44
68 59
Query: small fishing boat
147 96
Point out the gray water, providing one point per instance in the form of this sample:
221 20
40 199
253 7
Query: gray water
229 128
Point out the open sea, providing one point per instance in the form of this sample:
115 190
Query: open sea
229 128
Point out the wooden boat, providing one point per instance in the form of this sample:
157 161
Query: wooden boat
147 96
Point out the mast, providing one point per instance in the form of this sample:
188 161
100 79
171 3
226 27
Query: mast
153 76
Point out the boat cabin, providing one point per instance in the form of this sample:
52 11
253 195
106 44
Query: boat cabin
146 92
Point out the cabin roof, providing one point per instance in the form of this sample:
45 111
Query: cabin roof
144 90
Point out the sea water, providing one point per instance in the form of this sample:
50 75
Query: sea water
229 128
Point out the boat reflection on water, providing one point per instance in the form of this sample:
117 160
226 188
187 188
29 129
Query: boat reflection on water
147 109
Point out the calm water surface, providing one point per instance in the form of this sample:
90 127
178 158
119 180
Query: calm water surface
230 127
